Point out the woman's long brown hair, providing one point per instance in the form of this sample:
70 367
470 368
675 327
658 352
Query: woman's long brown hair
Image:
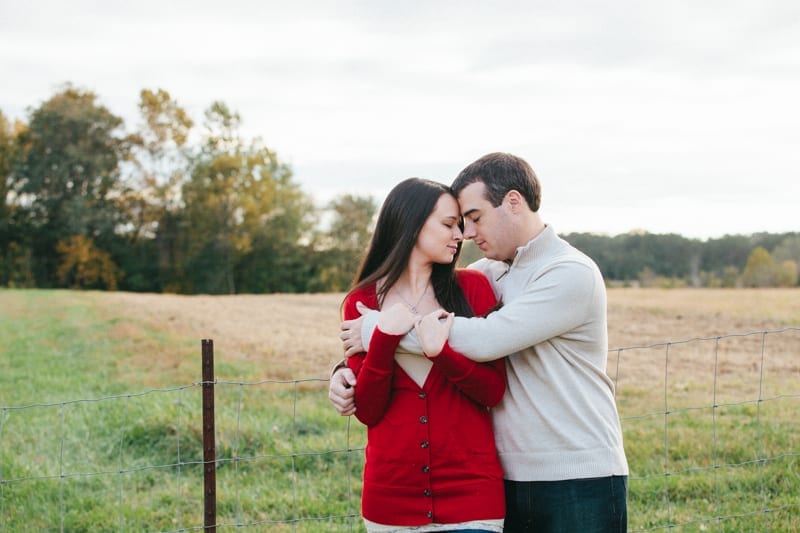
401 218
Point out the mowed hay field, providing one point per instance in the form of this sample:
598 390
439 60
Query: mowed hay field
295 335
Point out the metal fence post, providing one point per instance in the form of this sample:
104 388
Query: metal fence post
209 442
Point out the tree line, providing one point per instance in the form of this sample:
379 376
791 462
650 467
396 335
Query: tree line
175 206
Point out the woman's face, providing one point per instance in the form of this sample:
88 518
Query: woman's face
439 237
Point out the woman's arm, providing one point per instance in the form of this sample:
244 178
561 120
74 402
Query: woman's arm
374 368
485 383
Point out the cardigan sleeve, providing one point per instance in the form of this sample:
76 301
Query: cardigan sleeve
374 368
485 383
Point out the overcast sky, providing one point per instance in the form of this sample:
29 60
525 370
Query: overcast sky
669 116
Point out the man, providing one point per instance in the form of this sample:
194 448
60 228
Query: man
557 429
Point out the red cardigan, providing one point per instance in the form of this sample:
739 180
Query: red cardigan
430 455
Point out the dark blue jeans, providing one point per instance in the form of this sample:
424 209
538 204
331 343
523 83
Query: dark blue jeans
596 505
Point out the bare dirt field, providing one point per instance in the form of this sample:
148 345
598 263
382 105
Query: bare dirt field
291 336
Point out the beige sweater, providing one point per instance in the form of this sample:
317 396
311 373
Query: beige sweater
558 419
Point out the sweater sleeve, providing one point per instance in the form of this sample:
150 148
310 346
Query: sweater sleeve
555 302
373 368
549 305
485 383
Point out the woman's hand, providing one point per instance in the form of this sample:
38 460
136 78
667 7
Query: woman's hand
397 320
433 330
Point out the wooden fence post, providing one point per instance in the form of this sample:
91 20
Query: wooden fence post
209 441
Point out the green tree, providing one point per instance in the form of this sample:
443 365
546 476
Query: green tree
726 251
625 256
67 176
14 255
788 250
730 277
7 148
647 278
341 247
241 207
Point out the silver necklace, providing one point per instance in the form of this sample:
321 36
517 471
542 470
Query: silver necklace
414 307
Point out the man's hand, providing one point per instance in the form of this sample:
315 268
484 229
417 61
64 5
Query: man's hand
433 330
341 391
351 336
351 332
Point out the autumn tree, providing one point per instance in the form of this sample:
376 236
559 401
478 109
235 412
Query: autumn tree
161 161
760 269
786 273
160 167
785 253
67 176
84 266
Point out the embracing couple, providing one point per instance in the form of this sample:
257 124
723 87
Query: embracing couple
484 390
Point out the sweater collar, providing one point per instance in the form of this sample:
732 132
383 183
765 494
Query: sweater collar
537 247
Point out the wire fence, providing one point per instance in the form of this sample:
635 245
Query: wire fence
710 433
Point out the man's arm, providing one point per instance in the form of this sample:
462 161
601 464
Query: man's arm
556 302
369 320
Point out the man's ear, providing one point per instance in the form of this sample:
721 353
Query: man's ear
515 200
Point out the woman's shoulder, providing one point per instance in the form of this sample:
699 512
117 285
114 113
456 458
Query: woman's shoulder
477 289
470 276
366 295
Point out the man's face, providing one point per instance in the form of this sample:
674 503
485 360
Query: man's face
490 227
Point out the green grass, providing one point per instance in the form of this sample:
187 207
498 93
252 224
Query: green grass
89 442
690 467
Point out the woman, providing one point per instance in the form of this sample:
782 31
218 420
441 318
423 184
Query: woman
431 463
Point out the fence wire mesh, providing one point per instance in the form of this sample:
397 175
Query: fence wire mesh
710 432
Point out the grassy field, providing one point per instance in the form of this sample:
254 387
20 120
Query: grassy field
100 427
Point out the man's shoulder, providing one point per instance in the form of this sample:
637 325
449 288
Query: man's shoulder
570 254
488 266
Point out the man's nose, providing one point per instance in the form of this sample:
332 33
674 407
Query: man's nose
469 230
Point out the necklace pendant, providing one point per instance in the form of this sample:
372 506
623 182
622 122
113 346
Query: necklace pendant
413 307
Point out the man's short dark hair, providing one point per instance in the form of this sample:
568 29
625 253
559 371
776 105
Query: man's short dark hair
502 172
